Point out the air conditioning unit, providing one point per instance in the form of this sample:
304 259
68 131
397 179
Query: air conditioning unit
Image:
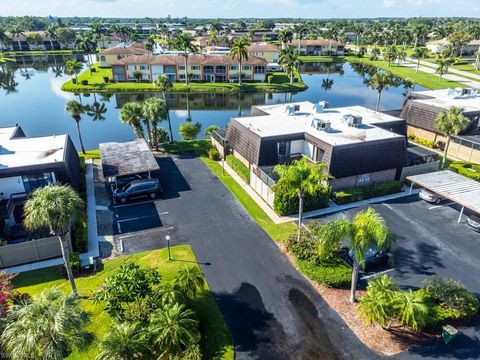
296 108
353 120
321 125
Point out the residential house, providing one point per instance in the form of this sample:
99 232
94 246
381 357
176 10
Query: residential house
33 41
319 47
420 111
121 51
264 50
437 46
358 145
211 68
108 41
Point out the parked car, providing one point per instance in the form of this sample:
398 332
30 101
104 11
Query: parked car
373 257
429 196
137 189
473 222
125 180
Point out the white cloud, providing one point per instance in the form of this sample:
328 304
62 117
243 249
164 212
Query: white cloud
389 3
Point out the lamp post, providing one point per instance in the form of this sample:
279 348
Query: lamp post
168 246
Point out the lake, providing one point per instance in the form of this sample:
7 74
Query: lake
31 95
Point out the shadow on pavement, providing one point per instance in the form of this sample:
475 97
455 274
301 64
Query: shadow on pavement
171 179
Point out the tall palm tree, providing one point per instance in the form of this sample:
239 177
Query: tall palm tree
16 30
51 31
123 342
290 60
367 229
131 114
185 43
98 29
190 280
49 326
419 53
443 66
401 56
239 51
301 176
76 110
411 308
172 329
285 36
154 110
55 207
87 43
300 30
450 123
164 83
390 54
380 81
73 67
96 111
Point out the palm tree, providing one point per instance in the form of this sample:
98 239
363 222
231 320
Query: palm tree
172 329
411 309
374 54
190 281
443 66
96 111
327 83
450 123
16 30
184 42
86 42
366 230
420 53
154 110
380 81
239 51
73 67
49 326
303 177
131 114
51 31
285 36
289 59
123 342
300 30
55 207
164 83
390 54
76 110
401 56
98 29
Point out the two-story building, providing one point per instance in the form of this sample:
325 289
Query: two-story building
264 50
319 47
121 51
211 68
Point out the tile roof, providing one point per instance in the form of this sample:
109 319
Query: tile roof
122 49
192 59
263 47
322 42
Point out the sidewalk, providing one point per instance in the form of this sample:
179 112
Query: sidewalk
93 250
332 208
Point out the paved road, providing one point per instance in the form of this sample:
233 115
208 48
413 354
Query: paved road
432 242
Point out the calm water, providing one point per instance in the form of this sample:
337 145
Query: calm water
34 99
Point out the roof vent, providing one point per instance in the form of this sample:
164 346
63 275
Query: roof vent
290 110
321 125
352 120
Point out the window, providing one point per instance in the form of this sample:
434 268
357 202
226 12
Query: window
259 69
143 67
195 76
246 67
102 58
275 60
363 179
169 69
181 67
284 149
318 154
195 67
208 69
221 69
34 181
233 67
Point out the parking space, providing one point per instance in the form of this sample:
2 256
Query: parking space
430 242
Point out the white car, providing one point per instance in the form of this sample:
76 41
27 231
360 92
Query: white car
429 196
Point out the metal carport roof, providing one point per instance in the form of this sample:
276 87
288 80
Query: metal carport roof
451 186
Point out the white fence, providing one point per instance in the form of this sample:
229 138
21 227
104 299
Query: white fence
259 184
419 169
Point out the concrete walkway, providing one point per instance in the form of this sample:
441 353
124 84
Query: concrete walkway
93 250
332 207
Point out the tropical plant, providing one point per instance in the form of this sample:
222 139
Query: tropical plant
165 84
189 130
450 123
411 309
239 51
285 36
401 56
290 60
380 81
16 30
209 130
301 176
374 54
51 31
327 83
76 110
190 281
390 54
123 341
96 111
419 53
443 66
172 329
367 229
87 43
55 207
137 75
185 43
6 292
154 110
131 114
49 326
300 31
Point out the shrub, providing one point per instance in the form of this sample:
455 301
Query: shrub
189 130
93 70
193 352
213 154
209 130
359 193
75 262
469 170
427 143
162 135
106 79
333 273
74 81
305 248
239 168
84 82
286 202
80 236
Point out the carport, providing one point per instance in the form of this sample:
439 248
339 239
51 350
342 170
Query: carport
451 186
126 159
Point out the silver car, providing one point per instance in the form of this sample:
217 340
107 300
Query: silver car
429 196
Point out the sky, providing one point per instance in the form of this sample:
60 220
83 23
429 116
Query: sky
243 8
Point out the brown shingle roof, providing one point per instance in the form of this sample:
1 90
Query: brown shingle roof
192 59
121 49
263 47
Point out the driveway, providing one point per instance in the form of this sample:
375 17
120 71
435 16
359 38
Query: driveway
432 242
272 311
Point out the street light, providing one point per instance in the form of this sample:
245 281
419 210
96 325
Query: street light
168 246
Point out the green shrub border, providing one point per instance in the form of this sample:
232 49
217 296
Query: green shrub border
359 193
239 168
467 169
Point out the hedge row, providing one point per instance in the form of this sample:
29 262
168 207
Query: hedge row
427 143
359 193
239 168
286 202
469 170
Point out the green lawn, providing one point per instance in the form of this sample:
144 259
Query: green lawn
217 342
308 58
467 67
278 232
90 154
96 83
423 79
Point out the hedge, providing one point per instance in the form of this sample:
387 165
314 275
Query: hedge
80 237
286 202
359 193
467 169
427 143
239 168
334 273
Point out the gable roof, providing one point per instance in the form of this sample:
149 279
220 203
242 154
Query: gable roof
122 49
321 42
265 47
192 60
